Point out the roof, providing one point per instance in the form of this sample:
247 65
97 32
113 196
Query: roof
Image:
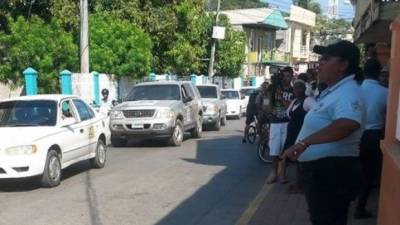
259 16
229 89
207 85
53 97
248 87
160 83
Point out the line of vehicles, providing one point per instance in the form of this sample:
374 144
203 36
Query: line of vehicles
43 134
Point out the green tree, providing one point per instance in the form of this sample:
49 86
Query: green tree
236 4
119 47
45 47
230 54
309 4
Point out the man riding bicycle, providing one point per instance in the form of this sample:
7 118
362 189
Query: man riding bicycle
258 103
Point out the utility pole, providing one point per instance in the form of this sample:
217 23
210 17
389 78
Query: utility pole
84 36
212 57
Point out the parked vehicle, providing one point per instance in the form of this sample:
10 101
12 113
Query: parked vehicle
214 106
43 134
158 110
246 92
234 103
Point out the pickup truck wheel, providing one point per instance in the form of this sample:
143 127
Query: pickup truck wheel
99 161
198 129
177 135
217 124
118 142
52 170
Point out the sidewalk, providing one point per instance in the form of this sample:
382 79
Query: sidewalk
273 206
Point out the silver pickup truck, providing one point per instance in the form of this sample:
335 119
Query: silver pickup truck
214 105
158 110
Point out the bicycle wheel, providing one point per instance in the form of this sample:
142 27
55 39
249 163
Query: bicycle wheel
263 152
252 134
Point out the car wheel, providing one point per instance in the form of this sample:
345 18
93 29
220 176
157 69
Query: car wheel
118 142
177 135
223 121
198 129
51 176
217 124
99 161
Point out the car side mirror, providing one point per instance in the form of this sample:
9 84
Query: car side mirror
187 99
242 97
67 122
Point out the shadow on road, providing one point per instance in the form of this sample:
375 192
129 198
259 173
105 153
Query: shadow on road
33 183
227 195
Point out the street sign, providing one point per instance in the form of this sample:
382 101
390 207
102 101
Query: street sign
218 32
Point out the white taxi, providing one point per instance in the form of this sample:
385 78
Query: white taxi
43 134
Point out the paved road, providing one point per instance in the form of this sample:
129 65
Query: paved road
209 181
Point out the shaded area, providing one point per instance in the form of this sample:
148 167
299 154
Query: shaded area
227 195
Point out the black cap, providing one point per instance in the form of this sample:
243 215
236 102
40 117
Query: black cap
343 49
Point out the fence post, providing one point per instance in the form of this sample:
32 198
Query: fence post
96 87
152 76
193 78
66 82
30 76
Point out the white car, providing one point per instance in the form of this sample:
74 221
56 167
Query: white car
246 92
234 103
43 134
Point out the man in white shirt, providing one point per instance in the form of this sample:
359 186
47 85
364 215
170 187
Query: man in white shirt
375 96
106 104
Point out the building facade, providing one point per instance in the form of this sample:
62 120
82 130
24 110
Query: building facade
296 40
260 26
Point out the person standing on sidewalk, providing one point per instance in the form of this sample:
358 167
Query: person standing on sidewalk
370 152
328 144
296 112
281 95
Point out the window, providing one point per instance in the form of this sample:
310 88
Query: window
28 113
85 113
154 92
208 91
189 90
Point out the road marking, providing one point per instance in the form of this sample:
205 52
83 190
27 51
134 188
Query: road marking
254 205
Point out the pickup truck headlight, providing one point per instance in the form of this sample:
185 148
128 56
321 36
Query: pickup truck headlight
212 109
21 150
116 115
165 114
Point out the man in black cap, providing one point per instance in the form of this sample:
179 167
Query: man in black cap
327 146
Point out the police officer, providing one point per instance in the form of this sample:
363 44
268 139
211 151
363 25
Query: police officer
328 144
106 104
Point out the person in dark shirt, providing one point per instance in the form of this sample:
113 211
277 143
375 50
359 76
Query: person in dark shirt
251 112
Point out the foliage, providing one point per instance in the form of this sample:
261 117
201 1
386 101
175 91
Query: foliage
309 4
236 4
44 46
118 47
231 52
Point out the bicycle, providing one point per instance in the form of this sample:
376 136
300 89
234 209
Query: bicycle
252 133
263 150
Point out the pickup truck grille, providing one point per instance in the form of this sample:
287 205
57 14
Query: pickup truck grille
138 113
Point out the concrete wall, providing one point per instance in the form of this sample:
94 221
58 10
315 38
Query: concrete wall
7 92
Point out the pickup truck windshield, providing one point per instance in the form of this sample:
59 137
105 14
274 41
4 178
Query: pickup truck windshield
231 94
208 91
28 113
154 92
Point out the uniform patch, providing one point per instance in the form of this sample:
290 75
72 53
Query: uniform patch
356 106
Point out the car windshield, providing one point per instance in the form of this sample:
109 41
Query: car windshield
154 92
231 94
247 91
28 113
208 91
